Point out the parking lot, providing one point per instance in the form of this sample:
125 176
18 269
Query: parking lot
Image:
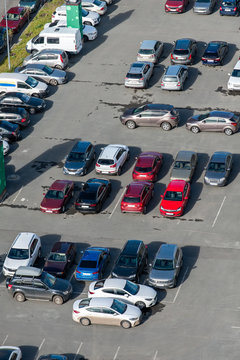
199 318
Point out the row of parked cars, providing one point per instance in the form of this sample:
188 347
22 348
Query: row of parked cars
204 7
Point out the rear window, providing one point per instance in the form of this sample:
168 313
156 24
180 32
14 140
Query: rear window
105 161
134 76
88 264
170 79
181 52
143 169
130 199
146 51
235 118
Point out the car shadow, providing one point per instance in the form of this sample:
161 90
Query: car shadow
167 162
196 189
235 168
116 186
203 159
75 356
157 75
166 52
29 352
192 77
47 242
231 52
190 257
184 115
201 46
114 253
2 258
154 202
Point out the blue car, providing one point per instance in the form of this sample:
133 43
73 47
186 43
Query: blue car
215 53
230 7
92 264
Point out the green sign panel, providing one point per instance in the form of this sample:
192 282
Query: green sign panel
74 15
2 172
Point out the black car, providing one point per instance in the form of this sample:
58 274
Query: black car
32 283
30 103
92 195
184 51
215 53
60 259
132 261
79 159
17 115
9 131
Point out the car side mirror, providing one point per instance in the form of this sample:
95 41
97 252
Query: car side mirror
186 198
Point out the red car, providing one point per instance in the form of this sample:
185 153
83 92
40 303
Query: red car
55 200
147 166
16 18
175 198
137 196
177 6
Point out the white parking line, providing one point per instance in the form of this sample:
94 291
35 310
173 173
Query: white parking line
235 327
179 288
117 203
5 340
79 348
214 222
155 355
17 195
116 353
41 344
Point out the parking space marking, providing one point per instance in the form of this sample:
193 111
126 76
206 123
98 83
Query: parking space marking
79 348
5 340
41 345
17 195
179 288
235 327
219 210
116 353
117 204
155 355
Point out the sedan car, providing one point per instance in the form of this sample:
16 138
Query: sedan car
44 73
229 8
79 159
184 51
10 353
56 198
92 195
175 198
218 169
107 311
176 6
112 159
234 80
9 131
147 166
139 75
204 7
184 165
97 6
219 121
92 264
16 18
18 116
160 115
137 196
215 53
137 294
174 77
60 259
150 50
16 99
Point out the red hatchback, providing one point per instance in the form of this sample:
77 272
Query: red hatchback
175 198
55 200
16 18
177 6
147 166
137 196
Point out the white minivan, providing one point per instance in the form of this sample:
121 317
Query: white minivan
67 39
22 83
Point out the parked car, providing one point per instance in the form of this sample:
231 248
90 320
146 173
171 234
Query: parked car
229 8
10 353
92 264
137 196
57 197
164 116
215 53
16 18
139 75
218 168
25 250
6 146
3 39
137 294
53 357
16 100
97 6
234 80
184 51
44 73
92 195
9 131
176 6
32 5
150 51
112 159
34 283
60 259
184 165
166 266
52 57
132 261
17 115
79 159
147 166
174 77
107 311
220 121
204 7
89 31
88 17
175 198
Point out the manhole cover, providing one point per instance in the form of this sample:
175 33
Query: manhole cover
13 177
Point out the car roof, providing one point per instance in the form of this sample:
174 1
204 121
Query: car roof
22 240
81 146
145 159
176 185
28 271
13 76
225 114
91 254
114 282
214 45
109 151
131 247
173 70
160 107
91 187
15 10
135 188
61 247
184 155
166 251
219 156
148 44
50 51
34 66
182 44
101 301
59 184
137 67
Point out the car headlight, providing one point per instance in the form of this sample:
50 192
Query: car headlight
179 209
162 208
65 292
221 180
79 171
55 209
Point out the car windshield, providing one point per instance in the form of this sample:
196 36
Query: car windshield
31 82
228 3
13 17
181 52
146 51
119 306
139 109
87 195
97 2
182 165
134 76
105 161
173 196
18 254
203 116
57 257
131 287
75 156
170 78
89 264
54 194
236 73
85 12
161 264
48 70
127 261
48 279
217 167
130 199
143 169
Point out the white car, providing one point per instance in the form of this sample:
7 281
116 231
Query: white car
112 159
6 146
24 251
107 311
98 6
88 17
125 290
10 353
89 32
234 80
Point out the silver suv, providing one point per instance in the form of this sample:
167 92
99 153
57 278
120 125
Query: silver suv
112 159
139 75
54 58
150 50
174 77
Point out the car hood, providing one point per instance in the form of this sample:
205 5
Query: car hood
12 24
124 272
74 164
213 175
180 174
201 5
146 292
52 203
171 205
14 264
34 101
234 80
161 274
132 311
54 266
62 285
127 113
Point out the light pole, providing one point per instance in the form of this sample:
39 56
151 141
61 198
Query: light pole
6 23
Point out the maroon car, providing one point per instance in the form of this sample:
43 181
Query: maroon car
177 6
16 18
137 196
60 259
147 166
59 193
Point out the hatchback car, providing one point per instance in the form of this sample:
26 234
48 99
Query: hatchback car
184 165
16 18
60 259
164 116
112 159
92 195
184 51
204 7
34 283
93 264
219 121
25 250
229 7
175 198
150 51
9 131
176 6
218 169
79 159
44 73
139 75
174 77
147 166
137 294
10 353
55 58
166 266
106 311
32 5
16 99
234 80
18 116
97 6
132 261
57 196
215 53
137 196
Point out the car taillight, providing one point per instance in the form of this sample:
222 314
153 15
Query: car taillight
9 286
171 56
102 8
190 56
233 123
23 120
217 59
146 246
91 292
173 117
96 272
76 312
203 59
220 8
13 133
178 84
162 84
92 205
61 59
113 166
97 165
235 9
77 271
141 78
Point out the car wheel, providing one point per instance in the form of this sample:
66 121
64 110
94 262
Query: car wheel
125 324
19 297
58 300
53 82
228 131
88 23
140 305
119 171
32 111
144 210
85 321
85 38
59 67
195 129
166 126
130 124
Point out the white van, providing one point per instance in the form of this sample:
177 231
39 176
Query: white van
68 39
22 83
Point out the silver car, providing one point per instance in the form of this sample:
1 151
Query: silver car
51 57
150 50
218 168
204 6
139 75
184 166
44 73
174 77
